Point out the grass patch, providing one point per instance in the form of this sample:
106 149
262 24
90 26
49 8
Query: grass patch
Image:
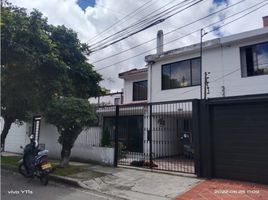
66 171
10 160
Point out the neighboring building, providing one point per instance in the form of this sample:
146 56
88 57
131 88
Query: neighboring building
115 98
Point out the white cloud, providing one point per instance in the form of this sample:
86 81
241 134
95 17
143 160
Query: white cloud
95 20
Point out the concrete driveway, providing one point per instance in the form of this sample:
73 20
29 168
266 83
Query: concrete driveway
140 185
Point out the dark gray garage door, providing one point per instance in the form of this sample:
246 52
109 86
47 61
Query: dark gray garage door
240 141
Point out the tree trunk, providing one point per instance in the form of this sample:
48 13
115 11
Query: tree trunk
65 156
7 125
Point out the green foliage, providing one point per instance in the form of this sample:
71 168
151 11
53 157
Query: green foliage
70 115
106 140
121 149
40 63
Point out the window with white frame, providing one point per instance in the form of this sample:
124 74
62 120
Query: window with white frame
254 59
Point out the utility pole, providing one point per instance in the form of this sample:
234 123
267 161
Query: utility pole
202 33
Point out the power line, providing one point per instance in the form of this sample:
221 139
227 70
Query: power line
211 14
141 27
215 80
139 11
195 32
112 26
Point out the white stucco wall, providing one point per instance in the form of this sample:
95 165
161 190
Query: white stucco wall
17 136
234 83
223 63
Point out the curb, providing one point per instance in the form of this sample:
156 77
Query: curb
66 180
61 179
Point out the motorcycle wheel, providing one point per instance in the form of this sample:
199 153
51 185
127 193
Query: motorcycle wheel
44 179
22 170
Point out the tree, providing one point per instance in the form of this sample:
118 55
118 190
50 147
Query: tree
70 115
40 62
24 41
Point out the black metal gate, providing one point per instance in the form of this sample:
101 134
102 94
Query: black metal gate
158 136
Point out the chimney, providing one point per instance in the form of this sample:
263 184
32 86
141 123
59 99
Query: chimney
265 21
159 42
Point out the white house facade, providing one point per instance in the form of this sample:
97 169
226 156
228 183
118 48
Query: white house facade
159 98
236 65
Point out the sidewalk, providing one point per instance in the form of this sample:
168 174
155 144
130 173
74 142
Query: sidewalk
128 183
137 184
123 183
134 184
219 189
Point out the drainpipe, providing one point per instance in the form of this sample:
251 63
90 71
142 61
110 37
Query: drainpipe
150 80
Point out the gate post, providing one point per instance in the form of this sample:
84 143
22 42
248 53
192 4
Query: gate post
196 135
116 136
205 140
151 137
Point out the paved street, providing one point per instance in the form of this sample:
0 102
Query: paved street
16 187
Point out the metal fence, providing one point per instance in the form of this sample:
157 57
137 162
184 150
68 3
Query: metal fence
151 135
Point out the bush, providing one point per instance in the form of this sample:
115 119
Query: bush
106 139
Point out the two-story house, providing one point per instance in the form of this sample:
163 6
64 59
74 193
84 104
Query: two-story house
234 65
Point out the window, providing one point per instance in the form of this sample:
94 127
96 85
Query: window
116 101
139 90
254 60
181 74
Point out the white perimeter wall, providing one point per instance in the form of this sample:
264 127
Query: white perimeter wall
86 147
17 136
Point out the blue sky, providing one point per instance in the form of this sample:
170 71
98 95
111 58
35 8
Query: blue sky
220 1
85 3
